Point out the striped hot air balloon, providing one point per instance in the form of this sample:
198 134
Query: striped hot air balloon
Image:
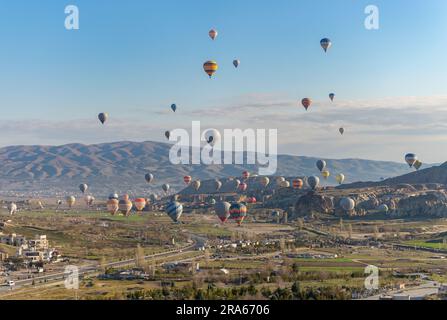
113 206
174 210
297 184
140 204
238 212
125 205
306 102
210 67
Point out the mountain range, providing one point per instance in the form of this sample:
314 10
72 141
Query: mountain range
121 167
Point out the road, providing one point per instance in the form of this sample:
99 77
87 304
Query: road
95 268
416 293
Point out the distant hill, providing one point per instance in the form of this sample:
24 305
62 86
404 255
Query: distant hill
121 166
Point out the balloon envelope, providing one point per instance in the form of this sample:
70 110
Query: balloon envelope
210 67
83 187
411 158
103 117
213 34
325 44
340 178
236 63
238 212
347 204
149 177
306 102
113 206
321 165
222 210
174 107
313 182
174 210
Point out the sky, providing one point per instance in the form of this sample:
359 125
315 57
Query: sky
133 59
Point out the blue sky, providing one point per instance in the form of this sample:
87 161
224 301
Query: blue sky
133 59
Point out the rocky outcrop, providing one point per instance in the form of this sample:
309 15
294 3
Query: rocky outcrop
313 202
431 204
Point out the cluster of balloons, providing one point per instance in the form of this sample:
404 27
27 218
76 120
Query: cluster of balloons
235 211
413 161
321 165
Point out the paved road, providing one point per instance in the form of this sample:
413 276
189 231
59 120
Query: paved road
416 293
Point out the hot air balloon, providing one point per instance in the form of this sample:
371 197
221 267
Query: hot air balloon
340 178
125 205
187 179
325 44
12 208
383 208
113 206
242 187
238 212
325 174
341 130
113 196
285 184
237 183
251 200
153 198
83 187
332 96
411 158
265 181
70 201
140 204
167 134
210 68
297 183
103 117
222 211
149 177
212 137
212 201
313 182
321 165
89 200
306 102
213 34
279 180
174 107
236 63
174 210
245 175
347 204
166 187
417 165
217 185
196 185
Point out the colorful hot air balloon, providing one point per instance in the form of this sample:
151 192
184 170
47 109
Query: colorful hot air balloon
187 179
113 206
125 205
347 204
236 63
174 210
243 187
321 165
325 44
149 177
411 158
166 187
103 117
332 96
297 184
70 201
325 174
251 200
210 68
222 211
238 212
341 130
213 34
340 178
196 185
83 187
313 182
417 165
306 102
265 181
113 196
140 204
245 175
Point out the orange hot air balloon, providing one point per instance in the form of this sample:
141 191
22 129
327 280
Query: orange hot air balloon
246 174
125 206
297 183
210 67
113 206
140 204
187 179
306 103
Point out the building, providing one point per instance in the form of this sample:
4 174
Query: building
3 255
12 239
39 243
